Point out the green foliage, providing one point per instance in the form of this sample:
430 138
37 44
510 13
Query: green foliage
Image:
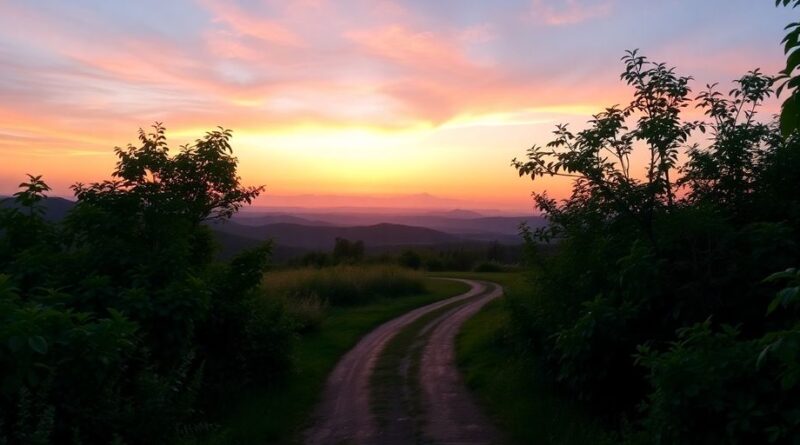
712 387
788 296
31 194
111 321
410 259
682 247
515 393
348 252
789 77
315 259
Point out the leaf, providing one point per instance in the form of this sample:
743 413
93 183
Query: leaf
792 62
763 355
773 305
38 344
790 115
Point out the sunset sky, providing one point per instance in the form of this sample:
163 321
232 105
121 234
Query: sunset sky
360 99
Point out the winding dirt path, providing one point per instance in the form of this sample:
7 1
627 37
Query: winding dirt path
449 414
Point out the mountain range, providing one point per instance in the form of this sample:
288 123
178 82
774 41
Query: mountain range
311 229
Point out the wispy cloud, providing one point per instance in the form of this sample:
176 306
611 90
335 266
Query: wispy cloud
299 79
569 12
246 23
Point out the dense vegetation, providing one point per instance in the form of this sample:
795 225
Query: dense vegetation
671 300
113 319
522 402
789 77
465 257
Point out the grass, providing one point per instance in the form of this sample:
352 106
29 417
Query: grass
277 415
505 279
344 285
508 385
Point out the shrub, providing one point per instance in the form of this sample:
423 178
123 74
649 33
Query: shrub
711 387
112 320
410 259
682 248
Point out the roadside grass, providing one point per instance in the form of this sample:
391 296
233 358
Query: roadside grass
510 386
278 415
511 280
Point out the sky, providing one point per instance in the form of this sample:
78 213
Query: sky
349 100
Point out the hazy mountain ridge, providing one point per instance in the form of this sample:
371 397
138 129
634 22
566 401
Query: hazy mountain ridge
324 237
466 224
55 209
295 234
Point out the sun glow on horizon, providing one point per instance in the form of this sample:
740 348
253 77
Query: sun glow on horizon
329 98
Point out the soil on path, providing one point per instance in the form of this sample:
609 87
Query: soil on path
449 415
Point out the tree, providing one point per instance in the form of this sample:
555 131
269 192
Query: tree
790 113
598 158
346 251
112 319
198 183
410 259
643 259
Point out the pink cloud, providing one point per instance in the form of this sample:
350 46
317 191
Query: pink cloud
249 24
422 49
568 12
477 34
392 70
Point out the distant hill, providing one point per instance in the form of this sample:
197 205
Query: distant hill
323 237
55 208
457 213
250 219
463 223
295 234
230 244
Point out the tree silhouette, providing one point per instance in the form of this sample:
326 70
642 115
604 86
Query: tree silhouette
790 78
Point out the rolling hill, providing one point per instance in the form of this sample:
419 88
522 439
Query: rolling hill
324 237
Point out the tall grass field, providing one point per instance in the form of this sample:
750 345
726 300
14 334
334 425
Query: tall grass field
344 285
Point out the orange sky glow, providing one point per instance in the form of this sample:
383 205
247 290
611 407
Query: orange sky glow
357 99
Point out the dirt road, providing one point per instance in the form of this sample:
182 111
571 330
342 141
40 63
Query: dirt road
445 413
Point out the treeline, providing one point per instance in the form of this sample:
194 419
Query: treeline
480 257
116 325
670 305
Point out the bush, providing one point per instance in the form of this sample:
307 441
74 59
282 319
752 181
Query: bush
410 259
641 258
710 387
111 320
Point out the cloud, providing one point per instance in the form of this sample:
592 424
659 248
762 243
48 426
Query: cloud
569 12
478 34
246 23
424 50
